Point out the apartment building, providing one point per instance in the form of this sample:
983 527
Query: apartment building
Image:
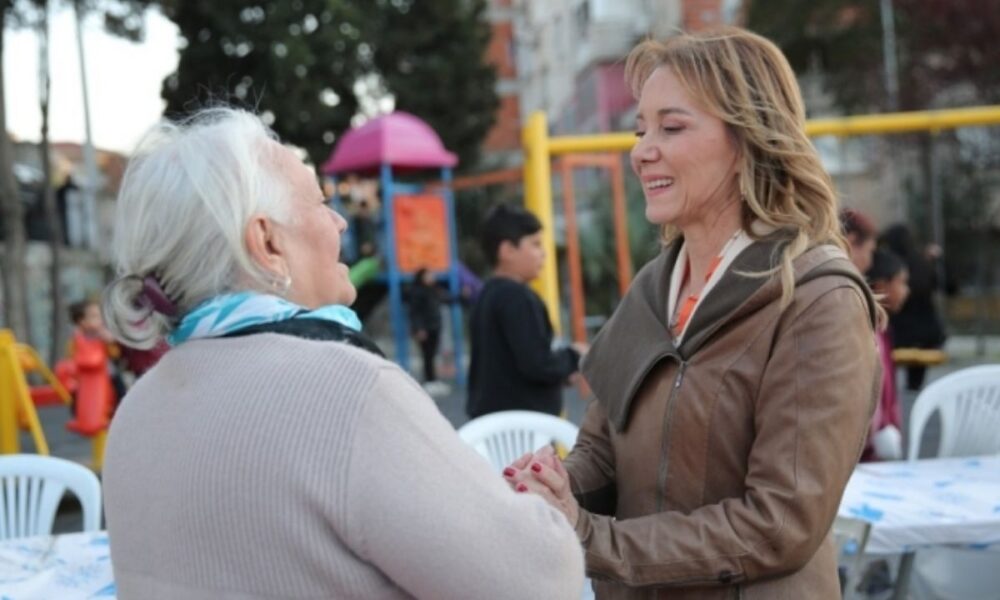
566 57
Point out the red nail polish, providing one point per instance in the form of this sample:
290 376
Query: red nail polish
521 487
537 468
509 472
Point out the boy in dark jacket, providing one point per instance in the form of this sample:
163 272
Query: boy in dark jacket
513 365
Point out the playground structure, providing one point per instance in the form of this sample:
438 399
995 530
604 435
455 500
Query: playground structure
418 226
540 149
85 374
574 260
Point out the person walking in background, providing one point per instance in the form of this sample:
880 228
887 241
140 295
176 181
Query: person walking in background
917 324
425 322
735 382
273 452
862 237
512 364
889 280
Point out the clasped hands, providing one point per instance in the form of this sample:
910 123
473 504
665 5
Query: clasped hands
542 473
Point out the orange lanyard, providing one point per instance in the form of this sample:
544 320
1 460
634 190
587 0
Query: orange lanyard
684 314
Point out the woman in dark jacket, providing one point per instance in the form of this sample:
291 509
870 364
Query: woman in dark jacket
917 324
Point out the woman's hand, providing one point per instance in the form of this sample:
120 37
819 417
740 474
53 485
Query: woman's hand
543 473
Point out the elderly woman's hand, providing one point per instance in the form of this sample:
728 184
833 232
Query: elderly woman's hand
543 473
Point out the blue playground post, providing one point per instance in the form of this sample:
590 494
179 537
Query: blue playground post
416 146
453 283
396 312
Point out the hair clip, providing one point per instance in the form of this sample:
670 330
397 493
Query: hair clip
157 297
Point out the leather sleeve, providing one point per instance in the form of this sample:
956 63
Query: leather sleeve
811 416
591 464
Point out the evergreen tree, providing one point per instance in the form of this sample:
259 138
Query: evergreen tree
308 66
295 62
431 58
940 45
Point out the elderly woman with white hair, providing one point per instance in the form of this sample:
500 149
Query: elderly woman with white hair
273 452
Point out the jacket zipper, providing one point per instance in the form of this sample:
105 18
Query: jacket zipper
661 480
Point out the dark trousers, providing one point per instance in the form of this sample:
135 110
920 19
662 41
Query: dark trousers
429 348
915 378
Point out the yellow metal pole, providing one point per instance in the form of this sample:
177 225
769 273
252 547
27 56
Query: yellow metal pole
602 142
97 445
9 370
903 122
30 357
15 400
538 199
845 127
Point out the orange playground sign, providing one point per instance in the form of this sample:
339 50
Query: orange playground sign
421 232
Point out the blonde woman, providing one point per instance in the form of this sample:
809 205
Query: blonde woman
734 384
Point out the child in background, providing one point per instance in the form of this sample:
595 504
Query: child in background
862 236
89 324
513 365
888 278
425 322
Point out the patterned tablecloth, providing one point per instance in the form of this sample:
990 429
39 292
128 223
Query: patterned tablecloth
953 501
64 567
909 504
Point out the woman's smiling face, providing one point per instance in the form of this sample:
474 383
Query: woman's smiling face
685 156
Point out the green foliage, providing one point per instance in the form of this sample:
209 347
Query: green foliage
597 243
839 38
308 65
941 44
295 62
430 55
946 43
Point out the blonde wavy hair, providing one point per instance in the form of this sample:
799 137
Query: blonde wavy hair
744 80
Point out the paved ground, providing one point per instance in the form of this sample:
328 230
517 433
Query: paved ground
963 352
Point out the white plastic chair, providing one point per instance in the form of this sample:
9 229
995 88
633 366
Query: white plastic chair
31 487
503 437
969 404
850 537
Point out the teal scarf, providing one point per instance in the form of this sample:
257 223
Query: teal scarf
227 313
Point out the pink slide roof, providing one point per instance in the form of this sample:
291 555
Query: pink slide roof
399 139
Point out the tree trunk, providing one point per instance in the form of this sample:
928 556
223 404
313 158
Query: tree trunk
52 218
15 241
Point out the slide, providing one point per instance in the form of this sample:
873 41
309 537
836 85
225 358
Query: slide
365 270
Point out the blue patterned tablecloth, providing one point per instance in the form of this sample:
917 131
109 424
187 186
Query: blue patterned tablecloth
65 567
952 501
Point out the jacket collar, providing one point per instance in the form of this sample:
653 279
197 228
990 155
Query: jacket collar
636 337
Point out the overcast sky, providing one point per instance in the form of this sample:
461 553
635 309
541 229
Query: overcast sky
124 78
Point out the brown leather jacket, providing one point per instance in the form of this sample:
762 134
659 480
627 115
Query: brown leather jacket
714 470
